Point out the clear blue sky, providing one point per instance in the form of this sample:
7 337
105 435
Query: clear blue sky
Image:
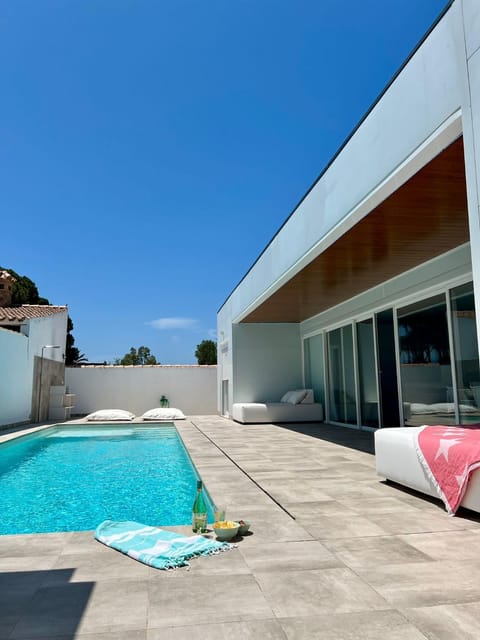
150 149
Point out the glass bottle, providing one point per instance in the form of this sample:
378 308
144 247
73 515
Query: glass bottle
199 511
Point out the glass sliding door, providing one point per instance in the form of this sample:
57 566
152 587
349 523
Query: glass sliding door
341 376
387 369
425 368
314 368
420 362
367 374
465 343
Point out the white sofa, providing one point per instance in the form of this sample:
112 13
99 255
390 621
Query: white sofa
396 459
262 412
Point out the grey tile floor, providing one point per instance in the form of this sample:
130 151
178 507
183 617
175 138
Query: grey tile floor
335 553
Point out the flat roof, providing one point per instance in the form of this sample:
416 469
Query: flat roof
343 145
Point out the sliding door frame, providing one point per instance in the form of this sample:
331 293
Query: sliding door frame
352 320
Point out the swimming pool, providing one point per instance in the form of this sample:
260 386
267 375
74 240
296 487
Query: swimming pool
73 478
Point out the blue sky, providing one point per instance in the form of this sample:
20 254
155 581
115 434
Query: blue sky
150 149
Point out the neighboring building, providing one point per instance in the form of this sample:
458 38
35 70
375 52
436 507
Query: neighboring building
6 288
32 352
370 291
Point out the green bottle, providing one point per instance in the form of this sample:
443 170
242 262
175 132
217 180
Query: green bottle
199 511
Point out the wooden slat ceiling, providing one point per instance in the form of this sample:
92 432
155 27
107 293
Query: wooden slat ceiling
424 218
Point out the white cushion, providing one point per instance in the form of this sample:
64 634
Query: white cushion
110 414
297 396
309 398
418 408
162 413
257 412
286 396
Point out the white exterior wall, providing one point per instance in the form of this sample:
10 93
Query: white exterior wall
15 378
51 330
224 354
471 136
434 100
137 389
268 361
17 361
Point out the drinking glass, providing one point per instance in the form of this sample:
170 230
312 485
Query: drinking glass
219 512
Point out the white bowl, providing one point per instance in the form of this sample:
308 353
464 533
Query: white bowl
223 533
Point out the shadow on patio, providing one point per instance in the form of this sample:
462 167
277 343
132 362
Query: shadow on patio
343 436
42 604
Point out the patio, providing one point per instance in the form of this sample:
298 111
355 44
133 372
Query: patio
359 558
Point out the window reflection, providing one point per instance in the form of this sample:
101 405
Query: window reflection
466 353
367 371
425 368
342 396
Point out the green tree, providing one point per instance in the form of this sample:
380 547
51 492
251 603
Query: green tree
72 354
206 352
24 290
76 357
134 356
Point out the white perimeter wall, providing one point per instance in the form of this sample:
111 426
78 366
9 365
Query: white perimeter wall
137 389
15 378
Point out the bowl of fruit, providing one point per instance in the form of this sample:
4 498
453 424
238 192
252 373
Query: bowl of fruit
226 529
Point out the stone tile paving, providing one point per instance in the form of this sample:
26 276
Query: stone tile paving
335 553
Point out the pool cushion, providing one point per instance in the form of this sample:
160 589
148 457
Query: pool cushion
163 413
109 415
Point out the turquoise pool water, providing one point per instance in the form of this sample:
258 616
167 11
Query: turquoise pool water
73 478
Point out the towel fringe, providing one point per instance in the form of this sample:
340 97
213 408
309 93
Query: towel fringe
227 546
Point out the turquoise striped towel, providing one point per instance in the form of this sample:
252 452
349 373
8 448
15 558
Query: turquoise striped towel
156 547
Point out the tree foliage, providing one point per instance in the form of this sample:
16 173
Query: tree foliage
73 357
206 352
24 290
141 355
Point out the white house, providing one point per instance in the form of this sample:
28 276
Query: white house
369 292
32 353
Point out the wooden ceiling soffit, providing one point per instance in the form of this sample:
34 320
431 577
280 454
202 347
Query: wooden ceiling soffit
424 218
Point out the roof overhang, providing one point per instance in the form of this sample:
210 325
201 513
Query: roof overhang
424 218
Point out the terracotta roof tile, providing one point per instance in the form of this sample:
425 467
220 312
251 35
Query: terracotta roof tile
28 311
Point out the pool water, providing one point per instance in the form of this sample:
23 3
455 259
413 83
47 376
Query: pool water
73 478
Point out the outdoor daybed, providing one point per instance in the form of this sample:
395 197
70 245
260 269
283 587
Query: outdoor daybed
295 406
397 459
